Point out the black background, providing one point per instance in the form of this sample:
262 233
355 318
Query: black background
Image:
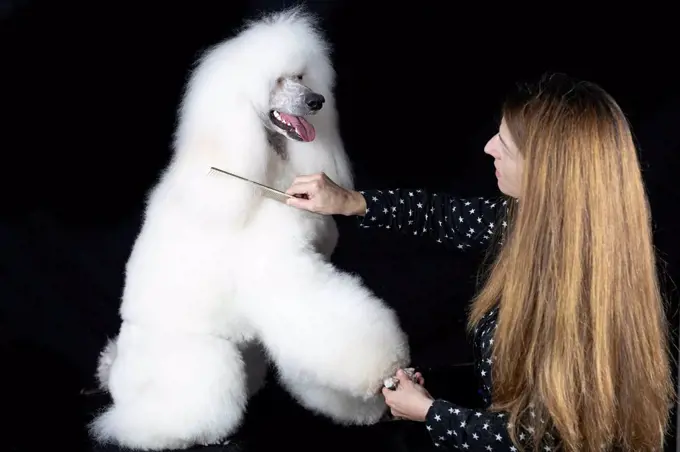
88 102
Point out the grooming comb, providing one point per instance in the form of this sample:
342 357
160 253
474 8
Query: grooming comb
267 191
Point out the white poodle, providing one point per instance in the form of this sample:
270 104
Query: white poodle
218 267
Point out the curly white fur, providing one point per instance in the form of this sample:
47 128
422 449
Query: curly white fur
217 267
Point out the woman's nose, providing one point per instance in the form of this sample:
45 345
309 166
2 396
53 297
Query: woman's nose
491 149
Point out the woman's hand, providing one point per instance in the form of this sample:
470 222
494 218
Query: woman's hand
318 193
410 400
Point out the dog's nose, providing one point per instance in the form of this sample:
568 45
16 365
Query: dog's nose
315 101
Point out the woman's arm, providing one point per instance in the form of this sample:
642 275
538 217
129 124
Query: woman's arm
452 427
459 222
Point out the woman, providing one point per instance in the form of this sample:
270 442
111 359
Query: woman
569 327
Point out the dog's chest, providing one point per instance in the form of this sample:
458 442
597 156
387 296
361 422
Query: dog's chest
278 144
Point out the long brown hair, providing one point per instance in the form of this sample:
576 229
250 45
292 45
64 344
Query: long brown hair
581 347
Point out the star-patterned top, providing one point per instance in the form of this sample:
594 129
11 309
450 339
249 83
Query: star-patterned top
463 223
459 222
452 427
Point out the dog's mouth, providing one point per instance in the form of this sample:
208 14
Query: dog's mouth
296 127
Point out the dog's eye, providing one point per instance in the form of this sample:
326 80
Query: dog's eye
299 77
279 80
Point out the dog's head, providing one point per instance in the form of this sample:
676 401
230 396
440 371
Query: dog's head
291 100
287 51
274 76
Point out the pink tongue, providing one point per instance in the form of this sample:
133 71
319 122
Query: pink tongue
302 126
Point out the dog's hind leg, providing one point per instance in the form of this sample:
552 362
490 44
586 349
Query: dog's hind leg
172 391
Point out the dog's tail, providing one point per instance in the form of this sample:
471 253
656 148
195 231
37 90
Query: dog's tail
106 358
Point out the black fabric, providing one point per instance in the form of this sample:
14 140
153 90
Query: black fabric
452 426
459 223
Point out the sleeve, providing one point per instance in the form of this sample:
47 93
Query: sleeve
452 427
458 222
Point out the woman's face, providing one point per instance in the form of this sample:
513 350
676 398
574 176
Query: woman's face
507 161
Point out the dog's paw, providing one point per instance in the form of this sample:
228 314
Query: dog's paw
393 382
